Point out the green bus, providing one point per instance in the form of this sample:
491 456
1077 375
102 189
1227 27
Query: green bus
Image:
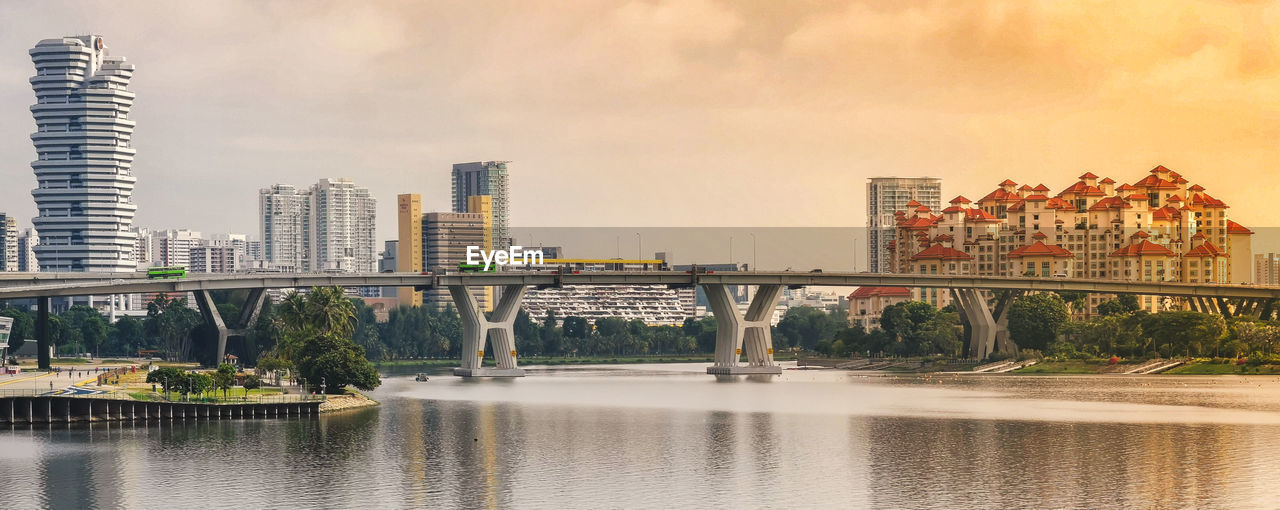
166 272
476 268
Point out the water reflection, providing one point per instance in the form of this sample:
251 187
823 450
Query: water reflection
611 438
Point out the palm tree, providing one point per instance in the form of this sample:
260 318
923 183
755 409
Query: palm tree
331 312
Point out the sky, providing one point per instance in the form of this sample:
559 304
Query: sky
666 113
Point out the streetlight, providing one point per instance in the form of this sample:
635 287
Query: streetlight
639 251
755 264
731 252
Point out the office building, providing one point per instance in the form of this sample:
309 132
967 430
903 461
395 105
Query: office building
27 241
487 178
885 196
409 244
445 238
329 227
172 248
283 212
1266 269
83 156
215 259
342 225
8 243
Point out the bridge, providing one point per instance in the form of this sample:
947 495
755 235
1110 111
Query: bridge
737 332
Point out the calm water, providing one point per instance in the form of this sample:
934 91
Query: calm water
669 436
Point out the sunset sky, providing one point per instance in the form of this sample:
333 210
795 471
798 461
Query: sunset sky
680 113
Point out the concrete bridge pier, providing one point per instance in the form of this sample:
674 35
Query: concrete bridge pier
498 327
248 316
988 328
736 331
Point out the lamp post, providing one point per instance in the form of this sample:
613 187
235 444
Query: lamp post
755 264
735 265
639 250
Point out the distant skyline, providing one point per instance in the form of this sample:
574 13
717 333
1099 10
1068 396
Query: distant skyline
687 113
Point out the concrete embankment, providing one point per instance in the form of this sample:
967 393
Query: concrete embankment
61 409
352 400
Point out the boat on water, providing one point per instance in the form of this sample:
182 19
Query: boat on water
421 377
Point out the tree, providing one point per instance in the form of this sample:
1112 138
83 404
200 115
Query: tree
168 377
251 382
172 322
24 327
316 336
93 332
333 362
1122 304
1034 321
224 377
1186 332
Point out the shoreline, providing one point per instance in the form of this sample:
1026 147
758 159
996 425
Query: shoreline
351 400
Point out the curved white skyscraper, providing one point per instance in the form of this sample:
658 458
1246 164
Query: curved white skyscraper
83 148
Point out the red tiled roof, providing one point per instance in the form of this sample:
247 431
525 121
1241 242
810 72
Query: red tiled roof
1008 182
1108 180
953 209
1040 187
1138 196
1196 187
1037 198
1208 249
1154 182
1124 187
1160 168
959 200
1039 249
943 237
1088 175
1174 198
1000 195
979 215
1203 199
866 292
1039 235
1166 213
1025 187
1142 248
923 208
1110 203
940 252
1236 228
913 203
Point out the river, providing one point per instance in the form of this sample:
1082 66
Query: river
669 436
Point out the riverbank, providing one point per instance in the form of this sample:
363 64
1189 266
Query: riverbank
352 400
1194 367
573 360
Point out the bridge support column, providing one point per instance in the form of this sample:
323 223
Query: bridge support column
988 329
499 327
248 316
209 310
734 331
43 345
1267 307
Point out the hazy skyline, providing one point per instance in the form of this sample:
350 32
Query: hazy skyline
689 113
